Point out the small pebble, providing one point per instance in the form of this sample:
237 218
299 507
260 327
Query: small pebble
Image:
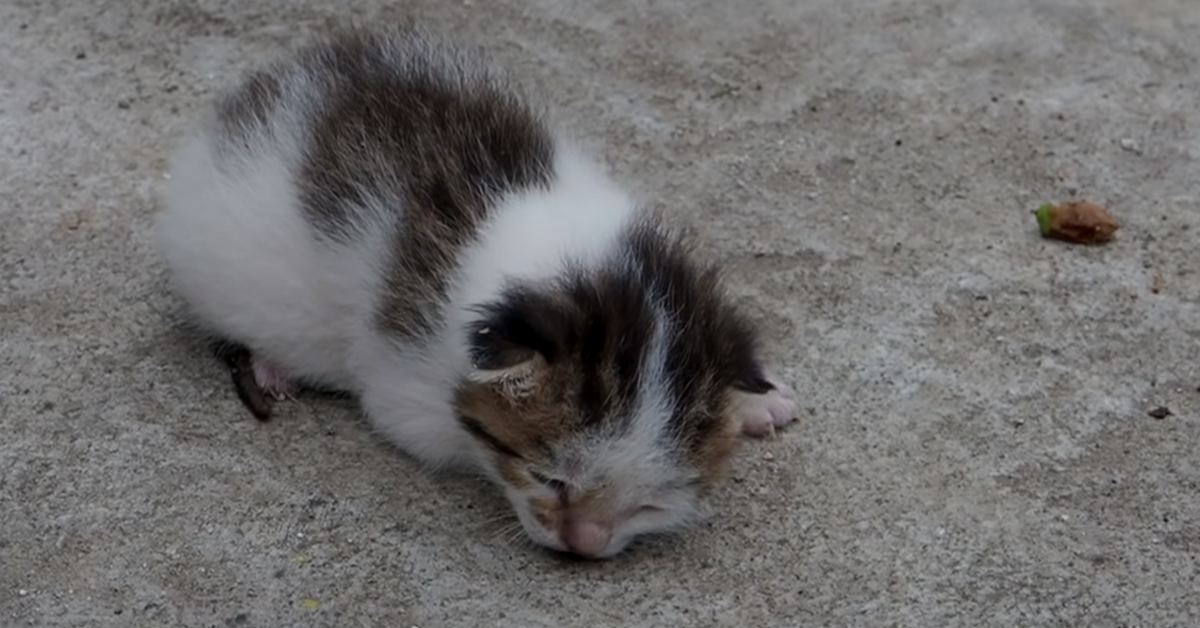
22 592
1160 412
768 456
1130 145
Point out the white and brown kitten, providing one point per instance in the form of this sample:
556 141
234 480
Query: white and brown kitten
383 214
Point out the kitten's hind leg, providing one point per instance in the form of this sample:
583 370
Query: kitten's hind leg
271 379
257 381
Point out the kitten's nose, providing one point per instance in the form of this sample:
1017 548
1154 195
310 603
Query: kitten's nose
586 538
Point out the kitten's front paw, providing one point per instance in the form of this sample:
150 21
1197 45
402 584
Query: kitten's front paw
761 413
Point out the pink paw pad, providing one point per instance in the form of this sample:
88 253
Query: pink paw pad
258 382
761 414
272 380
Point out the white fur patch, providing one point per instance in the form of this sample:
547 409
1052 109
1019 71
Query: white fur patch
242 255
535 234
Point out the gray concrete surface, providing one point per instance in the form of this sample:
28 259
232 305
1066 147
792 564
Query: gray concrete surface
975 450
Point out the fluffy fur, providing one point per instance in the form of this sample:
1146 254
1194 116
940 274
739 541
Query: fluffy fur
382 214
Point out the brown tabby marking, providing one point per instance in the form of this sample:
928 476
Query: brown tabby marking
248 108
438 142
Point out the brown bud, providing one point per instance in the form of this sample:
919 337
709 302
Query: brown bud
1077 221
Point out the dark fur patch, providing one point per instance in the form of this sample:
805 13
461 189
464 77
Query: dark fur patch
428 131
510 330
595 327
713 347
405 125
247 109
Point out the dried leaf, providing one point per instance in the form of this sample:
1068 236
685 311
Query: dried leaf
1080 222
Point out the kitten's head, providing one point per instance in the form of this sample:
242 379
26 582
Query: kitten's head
603 401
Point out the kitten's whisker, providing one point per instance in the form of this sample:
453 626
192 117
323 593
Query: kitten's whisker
500 517
506 532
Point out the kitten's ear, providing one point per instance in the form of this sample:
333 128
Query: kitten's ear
515 336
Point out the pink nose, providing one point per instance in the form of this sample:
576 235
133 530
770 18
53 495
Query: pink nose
586 538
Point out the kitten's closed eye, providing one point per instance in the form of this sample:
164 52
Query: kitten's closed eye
558 486
476 429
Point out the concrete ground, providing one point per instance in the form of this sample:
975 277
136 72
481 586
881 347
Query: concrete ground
976 448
